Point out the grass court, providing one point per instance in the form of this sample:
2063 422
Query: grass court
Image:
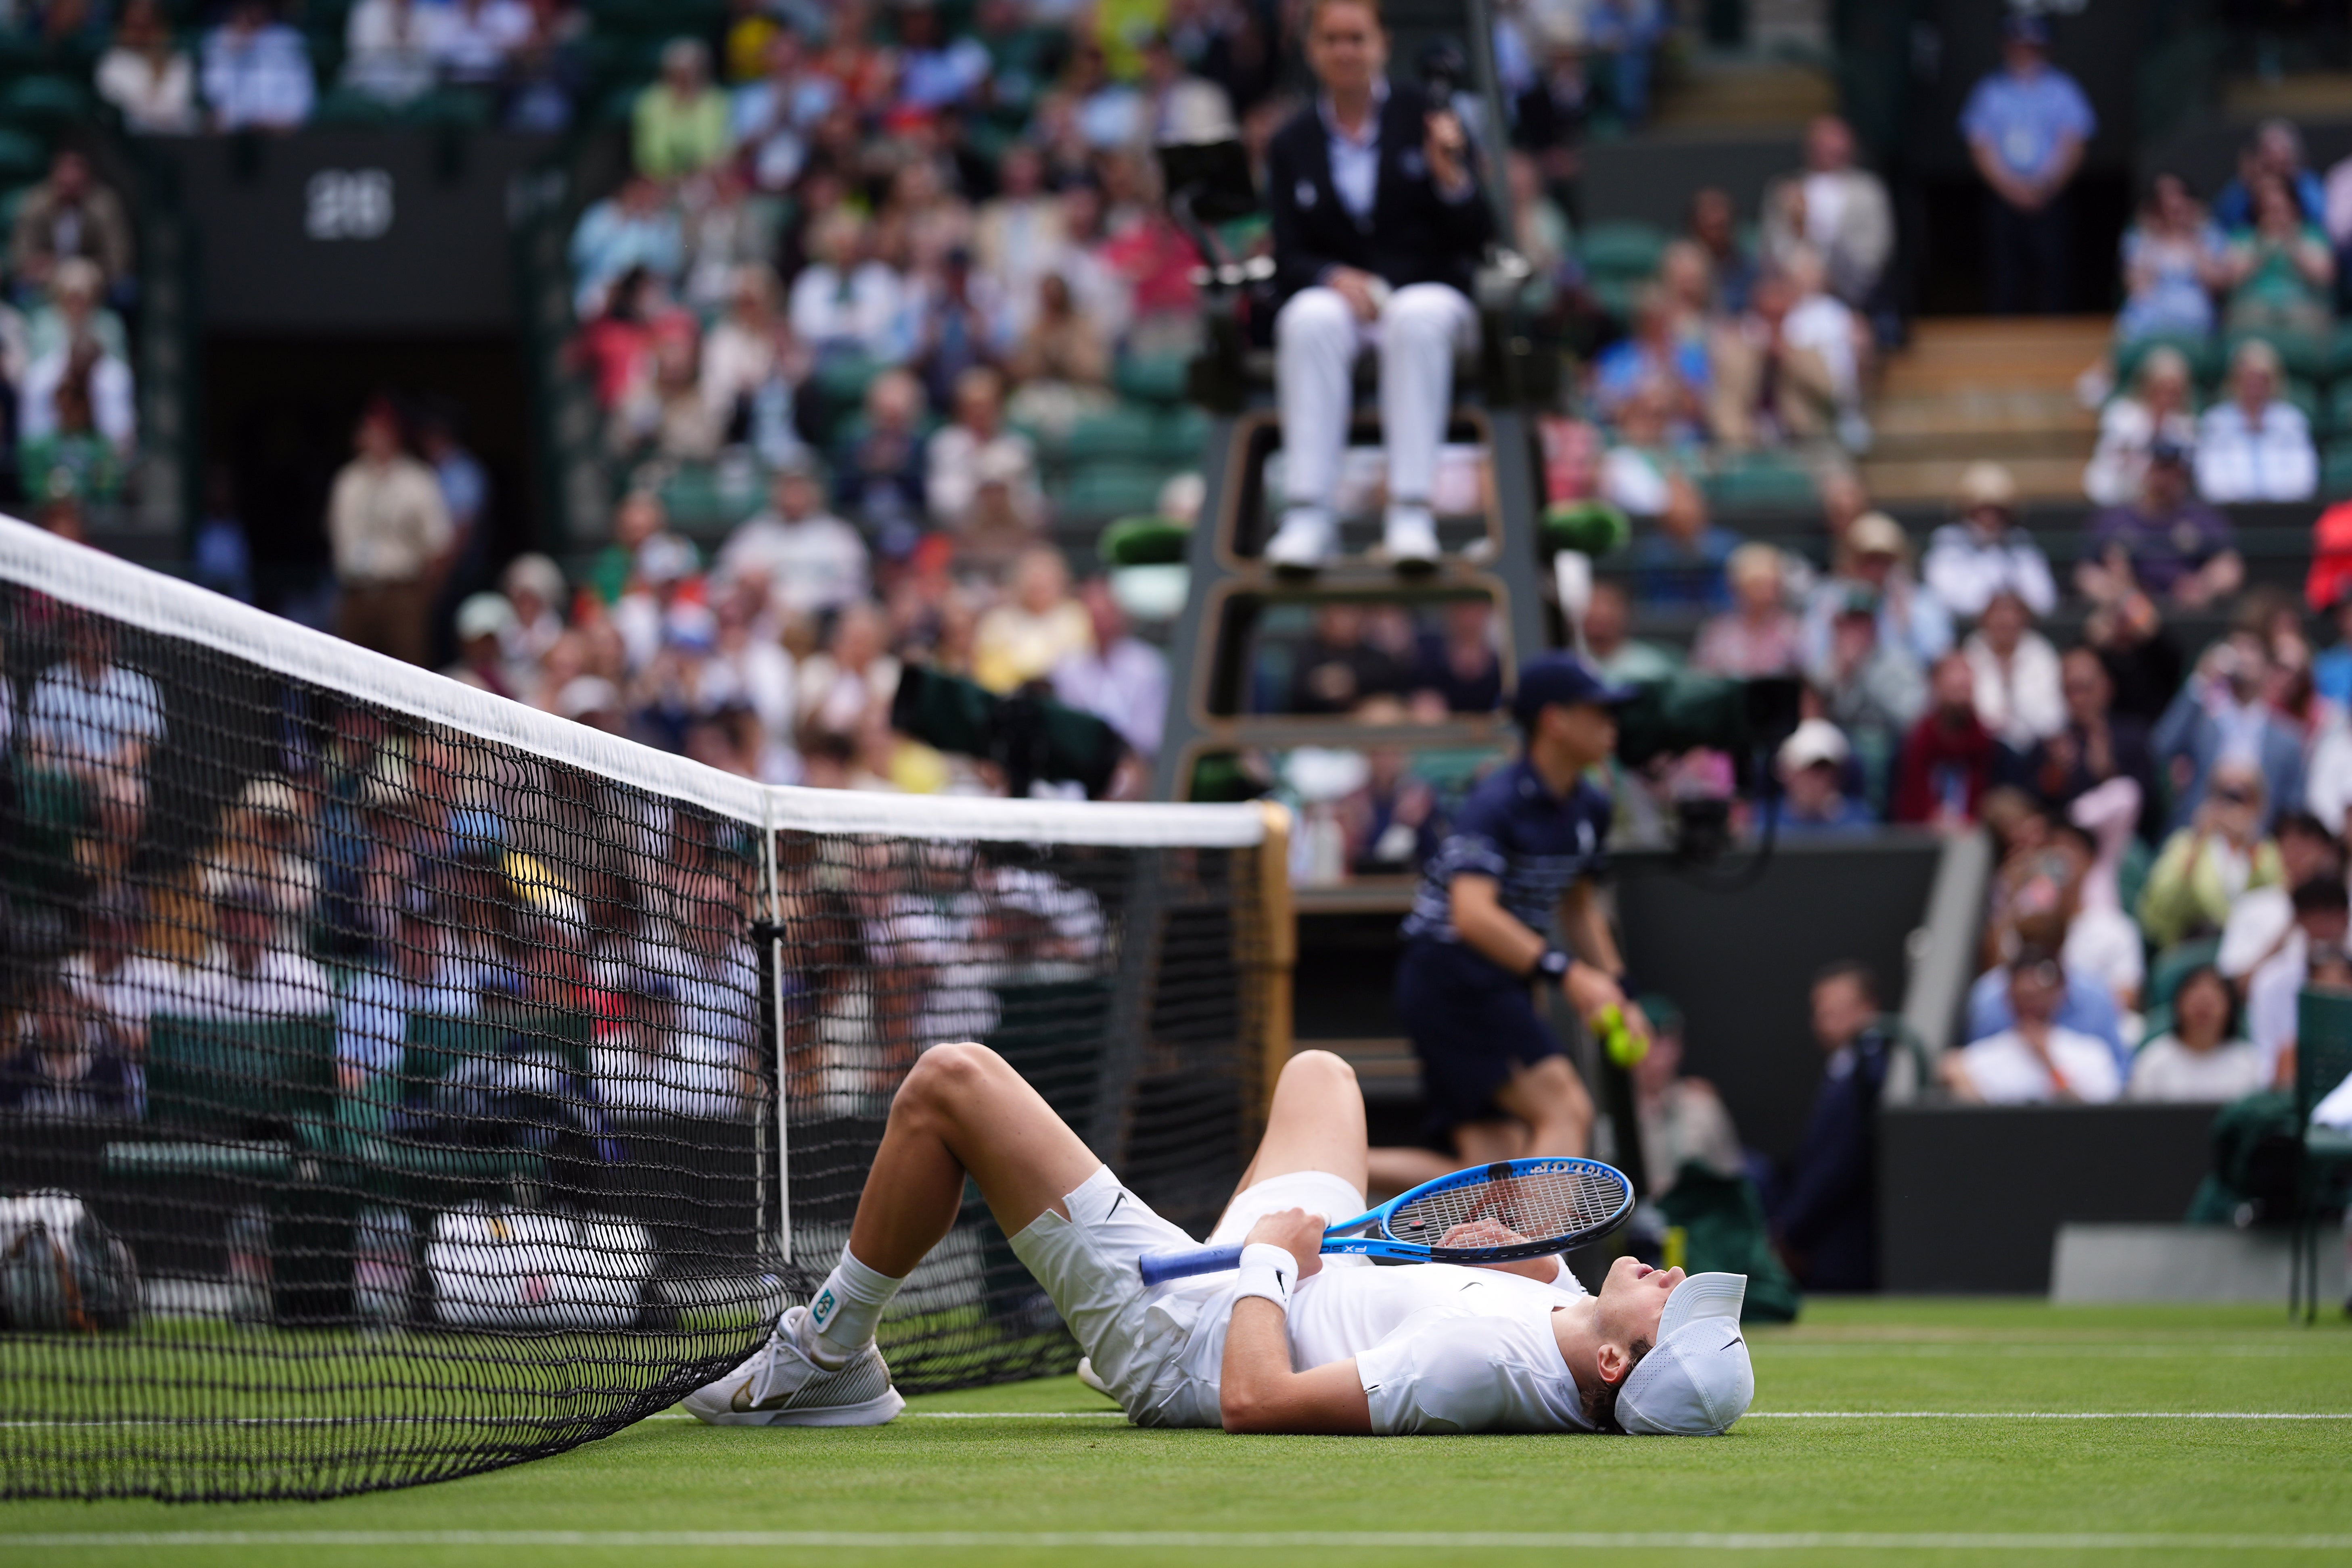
1937 1432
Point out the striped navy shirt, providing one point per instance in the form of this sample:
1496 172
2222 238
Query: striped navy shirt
1535 844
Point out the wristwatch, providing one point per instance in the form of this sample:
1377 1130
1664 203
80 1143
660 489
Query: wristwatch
1552 965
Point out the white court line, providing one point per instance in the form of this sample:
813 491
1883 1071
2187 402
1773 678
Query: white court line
1206 1540
1944 1350
2048 1415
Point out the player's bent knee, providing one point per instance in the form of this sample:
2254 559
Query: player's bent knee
1325 1066
947 1074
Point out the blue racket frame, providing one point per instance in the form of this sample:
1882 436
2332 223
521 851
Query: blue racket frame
1349 1237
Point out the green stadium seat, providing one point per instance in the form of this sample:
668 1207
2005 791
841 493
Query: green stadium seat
1126 432
1098 490
51 102
2304 354
1151 378
1761 484
2339 407
228 1076
24 158
2339 352
1622 249
2335 470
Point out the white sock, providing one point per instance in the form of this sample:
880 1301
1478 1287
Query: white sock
842 1312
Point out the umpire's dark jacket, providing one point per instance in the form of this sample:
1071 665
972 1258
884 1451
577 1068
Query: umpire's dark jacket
1415 236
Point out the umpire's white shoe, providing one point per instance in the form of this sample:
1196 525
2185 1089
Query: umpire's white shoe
779 1386
1410 538
1303 543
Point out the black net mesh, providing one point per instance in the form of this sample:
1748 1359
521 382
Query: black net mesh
381 1103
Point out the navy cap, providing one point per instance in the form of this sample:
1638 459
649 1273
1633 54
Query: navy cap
1561 678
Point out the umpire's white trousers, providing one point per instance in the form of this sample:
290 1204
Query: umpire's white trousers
1317 338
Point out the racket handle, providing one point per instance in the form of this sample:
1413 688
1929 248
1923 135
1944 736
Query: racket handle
1158 1268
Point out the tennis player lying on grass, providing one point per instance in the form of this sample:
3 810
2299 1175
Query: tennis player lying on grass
1291 1341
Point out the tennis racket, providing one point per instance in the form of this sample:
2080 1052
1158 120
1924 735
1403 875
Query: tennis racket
1519 1208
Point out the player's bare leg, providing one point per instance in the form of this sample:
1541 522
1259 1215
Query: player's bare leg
961 1112
1316 1123
1551 1101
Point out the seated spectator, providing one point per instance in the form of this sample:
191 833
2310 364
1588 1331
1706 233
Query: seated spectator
1621 659
1947 761
97 722
1459 663
70 216
546 71
2253 445
1872 690
633 230
1019 235
1555 95
2280 273
1820 324
1714 227
1339 666
2318 937
1037 626
768 121
679 124
855 676
485 625
2036 1060
1119 678
878 476
1681 1119
2222 710
813 562
1178 107
70 455
848 302
2261 920
2161 406
1543 235
2093 745
2137 654
254 970
2207 866
1985 550
1061 361
1646 456
2165 542
2202 1059
1814 802
975 441
61 1064
1758 635
146 76
1874 561
1836 210
2017 694
117 983
2174 258
1825 1216
256 71
1771 385
663 414
953 312
1652 352
414 976
1680 563
2102 942
2275 152
477 40
388 49
533 585
75 312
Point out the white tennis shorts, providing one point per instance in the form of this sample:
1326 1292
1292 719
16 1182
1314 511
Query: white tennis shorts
1133 1333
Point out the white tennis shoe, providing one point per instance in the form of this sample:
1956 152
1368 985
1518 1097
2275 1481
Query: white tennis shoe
780 1387
1409 534
1304 543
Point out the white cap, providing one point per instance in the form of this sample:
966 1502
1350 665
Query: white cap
1814 740
1696 1381
484 616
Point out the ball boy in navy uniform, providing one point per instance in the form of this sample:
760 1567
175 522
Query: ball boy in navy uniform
1525 846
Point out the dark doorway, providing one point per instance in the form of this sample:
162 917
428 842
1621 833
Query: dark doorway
279 416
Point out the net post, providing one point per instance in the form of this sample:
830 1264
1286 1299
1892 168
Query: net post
1281 943
770 934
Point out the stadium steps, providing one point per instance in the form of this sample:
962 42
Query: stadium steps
1996 389
1742 92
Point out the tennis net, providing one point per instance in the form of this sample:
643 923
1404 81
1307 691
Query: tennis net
398 1082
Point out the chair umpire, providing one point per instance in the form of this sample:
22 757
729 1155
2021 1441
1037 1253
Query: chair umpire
1379 224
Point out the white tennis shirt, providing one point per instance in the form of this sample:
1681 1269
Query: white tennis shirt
1438 1347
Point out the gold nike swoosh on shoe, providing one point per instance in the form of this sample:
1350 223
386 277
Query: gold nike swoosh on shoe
742 1401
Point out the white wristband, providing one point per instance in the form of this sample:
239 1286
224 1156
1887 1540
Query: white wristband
1267 1271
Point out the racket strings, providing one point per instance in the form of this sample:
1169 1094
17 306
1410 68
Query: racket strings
1537 1206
